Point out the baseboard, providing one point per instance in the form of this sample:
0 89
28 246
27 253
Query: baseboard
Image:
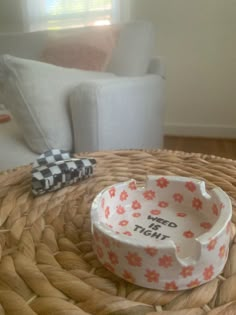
208 131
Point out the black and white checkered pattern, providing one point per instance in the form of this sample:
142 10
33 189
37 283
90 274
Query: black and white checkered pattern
52 156
52 176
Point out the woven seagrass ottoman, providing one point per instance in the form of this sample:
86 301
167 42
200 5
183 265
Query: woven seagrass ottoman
47 261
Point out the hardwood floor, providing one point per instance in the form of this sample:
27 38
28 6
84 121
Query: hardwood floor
220 147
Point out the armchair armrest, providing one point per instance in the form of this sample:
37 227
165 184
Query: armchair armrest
118 113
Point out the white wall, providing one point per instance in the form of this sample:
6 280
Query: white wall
11 16
198 40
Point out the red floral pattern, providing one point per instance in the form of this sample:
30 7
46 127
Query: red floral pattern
152 275
171 286
107 212
212 244
136 205
188 234
162 182
134 259
127 275
112 192
151 251
109 266
163 204
149 194
113 258
197 203
165 261
123 195
120 210
181 214
215 209
206 225
222 251
193 283
128 233
103 203
132 186
100 252
208 272
155 212
123 222
178 197
136 214
187 271
105 241
190 186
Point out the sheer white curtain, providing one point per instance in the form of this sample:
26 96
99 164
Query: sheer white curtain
54 14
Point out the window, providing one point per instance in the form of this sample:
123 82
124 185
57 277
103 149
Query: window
55 14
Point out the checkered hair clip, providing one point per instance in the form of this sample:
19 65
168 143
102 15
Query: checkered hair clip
56 169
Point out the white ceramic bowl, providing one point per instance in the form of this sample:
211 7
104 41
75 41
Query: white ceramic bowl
170 235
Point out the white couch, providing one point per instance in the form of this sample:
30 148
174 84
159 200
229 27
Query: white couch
119 111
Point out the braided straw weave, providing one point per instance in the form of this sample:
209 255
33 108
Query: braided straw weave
47 263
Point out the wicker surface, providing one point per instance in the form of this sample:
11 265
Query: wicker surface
47 262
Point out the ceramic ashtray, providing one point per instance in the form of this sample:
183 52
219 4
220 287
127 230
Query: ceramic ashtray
170 235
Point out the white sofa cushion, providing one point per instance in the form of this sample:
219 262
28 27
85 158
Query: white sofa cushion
133 51
37 94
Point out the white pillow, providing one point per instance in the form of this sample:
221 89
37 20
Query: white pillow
37 95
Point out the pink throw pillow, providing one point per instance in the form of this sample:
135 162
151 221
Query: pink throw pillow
88 49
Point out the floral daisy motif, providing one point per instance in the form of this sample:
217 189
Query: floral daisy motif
132 186
123 195
149 194
171 286
112 192
123 223
208 272
188 234
190 186
105 241
212 244
103 203
162 182
127 275
109 266
228 228
134 259
128 233
107 212
120 210
178 197
181 214
151 251
99 252
222 251
113 258
215 209
193 283
163 204
155 212
152 275
187 271
136 214
165 261
136 205
197 203
206 225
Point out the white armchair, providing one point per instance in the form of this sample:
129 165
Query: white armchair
122 109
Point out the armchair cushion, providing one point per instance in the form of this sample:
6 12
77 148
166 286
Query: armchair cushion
37 94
